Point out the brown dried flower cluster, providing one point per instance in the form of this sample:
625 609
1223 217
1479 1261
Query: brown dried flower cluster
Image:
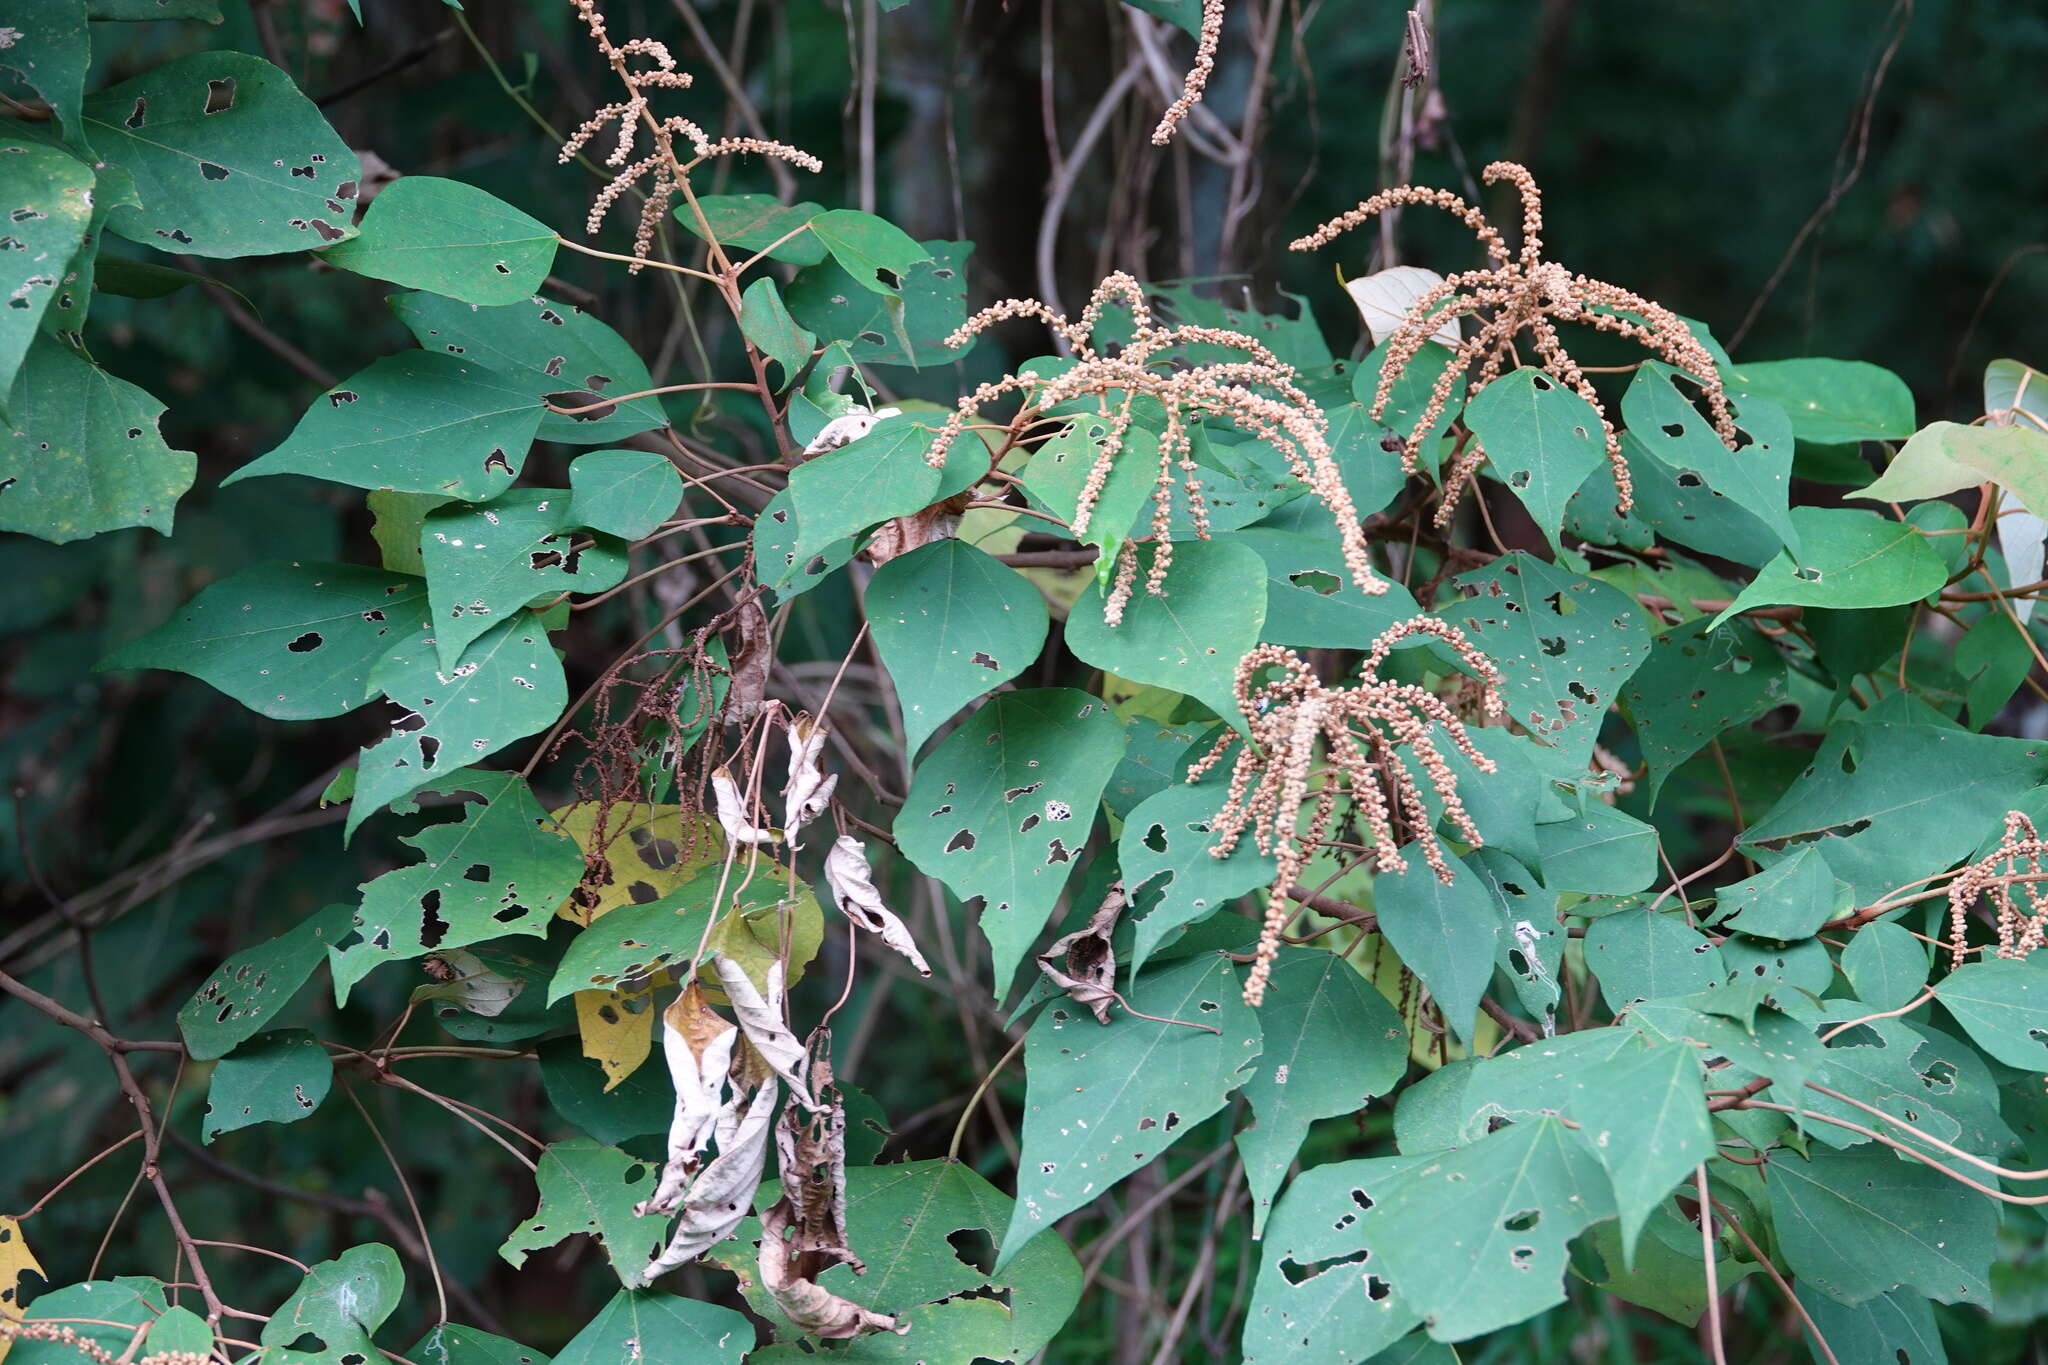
1526 293
1197 79
1362 731
662 170
1260 394
2015 862
62 1334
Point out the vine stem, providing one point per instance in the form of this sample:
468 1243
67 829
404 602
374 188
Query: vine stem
1714 1342
1756 1254
967 1110
405 1188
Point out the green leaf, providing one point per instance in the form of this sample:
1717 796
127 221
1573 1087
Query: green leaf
776 534
50 52
508 685
1668 1274
1104 1099
1320 1295
1885 964
1564 645
247 991
339 1303
261 173
1461 1103
1676 434
869 248
1475 1239
80 452
501 869
1446 935
585 1187
953 624
48 199
450 1343
1184 14
1641 955
1788 900
1852 559
751 222
486 561
207 11
623 493
1599 852
179 1329
637 1106
1313 997
1168 835
2003 1005
1896 1328
424 232
1886 802
1001 809
1644 1115
1189 637
884 329
414 422
1311 602
1830 402
275 1077
130 279
765 321
289 641
1858 1223
107 1313
880 476
541 348
1541 438
647 1327
1696 684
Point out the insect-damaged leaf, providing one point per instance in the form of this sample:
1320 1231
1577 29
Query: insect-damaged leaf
228 157
542 347
2003 1006
1851 558
508 685
17 1263
874 251
871 479
248 989
1312 997
415 422
1564 646
648 1327
953 624
1541 438
50 51
1169 834
585 1187
450 1343
1856 1223
1696 684
275 1077
1894 1327
1788 900
1311 602
1105 1099
1001 808
449 238
339 1303
885 329
80 452
46 196
1639 954
486 561
499 870
288 641
624 493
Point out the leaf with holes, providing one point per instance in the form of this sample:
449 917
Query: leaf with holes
547 350
953 624
1894 1329
1102 1100
647 1327
777 534
246 991
50 50
1852 558
449 238
883 329
1313 997
1858 1223
335 1308
80 452
623 493
1696 684
1830 402
1187 638
876 253
1168 835
1002 808
2003 1006
230 159
588 1188
486 561
1564 644
757 222
275 1077
450 1343
508 685
414 422
1788 900
1311 602
500 869
1642 955
46 200
1644 1117
288 641
649 851
1886 965
1446 935
1756 478
872 479
1541 439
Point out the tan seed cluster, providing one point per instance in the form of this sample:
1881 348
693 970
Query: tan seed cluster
662 171
1260 395
2015 862
62 1334
1197 79
1374 735
1525 293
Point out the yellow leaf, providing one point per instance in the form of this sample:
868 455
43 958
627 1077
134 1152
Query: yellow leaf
618 1027
653 850
17 1262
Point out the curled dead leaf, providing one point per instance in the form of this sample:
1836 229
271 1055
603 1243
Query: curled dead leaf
808 790
749 651
718 1199
760 1016
1081 963
846 428
851 882
463 978
732 811
698 1044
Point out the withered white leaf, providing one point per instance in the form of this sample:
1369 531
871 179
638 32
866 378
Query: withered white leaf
809 1305
849 427
732 811
464 979
724 1190
1386 298
808 790
760 1016
851 882
698 1044
1081 963
749 650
